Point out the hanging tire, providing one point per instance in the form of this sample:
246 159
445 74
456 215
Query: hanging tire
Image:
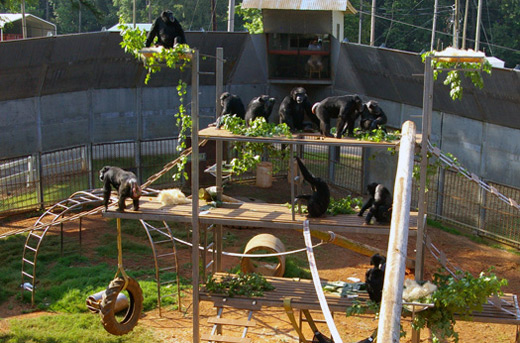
135 307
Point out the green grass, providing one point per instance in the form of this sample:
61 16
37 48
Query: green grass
65 282
69 328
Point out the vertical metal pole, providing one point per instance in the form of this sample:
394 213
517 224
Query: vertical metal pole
39 185
219 87
195 190
24 21
434 25
231 16
291 177
360 26
219 80
477 32
464 28
456 25
390 313
426 120
373 24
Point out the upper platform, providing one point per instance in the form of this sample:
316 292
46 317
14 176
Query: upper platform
298 138
260 215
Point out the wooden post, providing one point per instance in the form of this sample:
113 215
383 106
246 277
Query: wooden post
195 193
391 303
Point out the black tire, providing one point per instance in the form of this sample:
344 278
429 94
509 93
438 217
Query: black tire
135 307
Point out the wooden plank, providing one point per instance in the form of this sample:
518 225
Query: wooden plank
230 321
308 139
252 215
304 297
229 339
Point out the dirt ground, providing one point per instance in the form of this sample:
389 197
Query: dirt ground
334 263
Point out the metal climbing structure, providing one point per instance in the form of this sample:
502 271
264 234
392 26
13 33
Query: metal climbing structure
161 239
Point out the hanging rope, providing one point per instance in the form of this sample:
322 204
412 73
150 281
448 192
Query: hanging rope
233 254
471 176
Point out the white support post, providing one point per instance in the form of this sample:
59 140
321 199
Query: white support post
195 191
391 303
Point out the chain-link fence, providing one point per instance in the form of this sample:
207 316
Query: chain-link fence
40 180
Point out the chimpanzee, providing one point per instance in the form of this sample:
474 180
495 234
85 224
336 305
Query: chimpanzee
374 277
345 107
319 200
232 105
380 204
293 109
260 106
168 30
372 116
124 181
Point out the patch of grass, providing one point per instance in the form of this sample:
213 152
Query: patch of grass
109 249
69 328
294 267
442 227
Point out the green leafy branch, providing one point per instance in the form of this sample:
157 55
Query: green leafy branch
471 70
249 153
346 205
252 19
377 135
248 285
459 296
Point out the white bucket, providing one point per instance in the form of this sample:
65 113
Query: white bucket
264 175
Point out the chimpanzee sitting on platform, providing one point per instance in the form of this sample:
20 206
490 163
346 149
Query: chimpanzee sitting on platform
124 181
372 117
379 204
168 31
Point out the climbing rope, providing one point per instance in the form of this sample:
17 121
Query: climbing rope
469 175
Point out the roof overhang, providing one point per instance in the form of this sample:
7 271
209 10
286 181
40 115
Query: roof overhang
6 18
309 5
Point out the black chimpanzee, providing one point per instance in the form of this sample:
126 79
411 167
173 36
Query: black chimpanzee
168 30
294 108
260 106
372 116
319 200
124 181
380 204
232 105
344 107
374 277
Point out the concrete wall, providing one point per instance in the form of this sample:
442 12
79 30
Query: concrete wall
68 90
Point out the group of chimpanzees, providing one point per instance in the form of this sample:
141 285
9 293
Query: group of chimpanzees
296 108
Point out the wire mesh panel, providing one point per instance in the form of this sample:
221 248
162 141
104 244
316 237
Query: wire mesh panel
501 220
349 169
19 182
64 172
155 155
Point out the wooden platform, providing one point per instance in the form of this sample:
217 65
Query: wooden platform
261 215
300 138
304 296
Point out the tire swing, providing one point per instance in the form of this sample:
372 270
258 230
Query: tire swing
116 286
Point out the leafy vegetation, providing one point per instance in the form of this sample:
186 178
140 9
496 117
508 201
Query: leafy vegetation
346 205
249 285
471 70
377 135
249 153
456 296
